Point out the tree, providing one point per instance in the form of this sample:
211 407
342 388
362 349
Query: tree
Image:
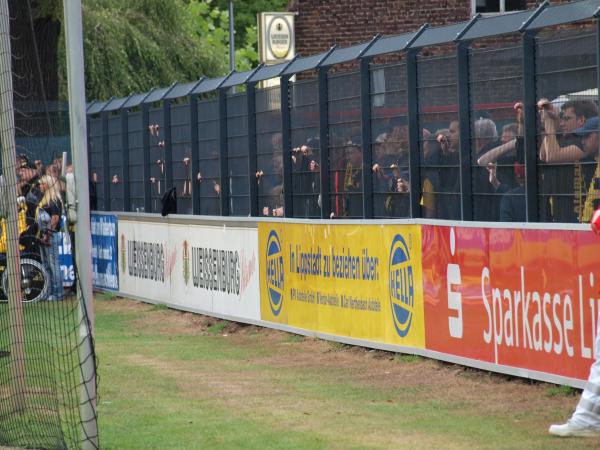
130 46
136 45
245 16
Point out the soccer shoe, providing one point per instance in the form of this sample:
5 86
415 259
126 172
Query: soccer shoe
570 429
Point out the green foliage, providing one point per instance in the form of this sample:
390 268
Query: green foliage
213 26
136 45
245 16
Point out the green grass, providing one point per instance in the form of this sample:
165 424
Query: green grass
408 358
567 391
51 368
294 338
182 391
217 327
159 307
105 296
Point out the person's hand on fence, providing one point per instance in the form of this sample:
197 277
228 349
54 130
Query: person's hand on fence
217 187
278 212
443 141
492 173
376 168
313 166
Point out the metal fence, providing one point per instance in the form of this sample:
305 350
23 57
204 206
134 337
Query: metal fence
352 133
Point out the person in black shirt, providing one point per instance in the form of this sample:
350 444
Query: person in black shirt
569 164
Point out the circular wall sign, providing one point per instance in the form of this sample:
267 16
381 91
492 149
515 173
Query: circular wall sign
279 37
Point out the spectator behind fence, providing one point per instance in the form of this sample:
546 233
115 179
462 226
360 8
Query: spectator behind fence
348 182
589 141
47 219
390 171
509 132
560 145
485 203
430 173
448 192
512 204
305 178
270 185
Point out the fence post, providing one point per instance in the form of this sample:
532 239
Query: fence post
530 138
167 149
223 153
413 133
105 162
324 141
286 145
146 158
195 150
464 120
252 180
367 154
125 158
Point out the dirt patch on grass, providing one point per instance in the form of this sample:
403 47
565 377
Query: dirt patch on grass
171 322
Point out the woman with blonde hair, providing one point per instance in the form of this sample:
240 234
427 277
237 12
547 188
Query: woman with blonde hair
47 217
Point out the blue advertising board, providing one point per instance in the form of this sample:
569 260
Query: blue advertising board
65 256
104 252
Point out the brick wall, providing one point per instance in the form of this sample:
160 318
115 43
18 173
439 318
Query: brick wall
322 23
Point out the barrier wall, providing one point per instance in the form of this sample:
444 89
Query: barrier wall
522 301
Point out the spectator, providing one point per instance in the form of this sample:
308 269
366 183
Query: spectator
48 215
270 186
93 192
509 132
485 203
512 204
348 183
430 173
448 193
561 145
390 169
589 141
305 178
507 147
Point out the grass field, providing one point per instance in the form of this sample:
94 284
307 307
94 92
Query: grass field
173 380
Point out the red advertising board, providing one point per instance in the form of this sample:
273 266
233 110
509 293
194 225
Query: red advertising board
516 297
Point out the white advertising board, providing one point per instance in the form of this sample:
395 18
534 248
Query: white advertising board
144 255
197 267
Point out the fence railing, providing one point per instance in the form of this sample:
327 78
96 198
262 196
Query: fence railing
421 124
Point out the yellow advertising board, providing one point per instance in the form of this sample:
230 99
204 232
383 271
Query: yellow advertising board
359 281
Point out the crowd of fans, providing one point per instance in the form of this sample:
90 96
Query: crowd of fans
42 202
568 173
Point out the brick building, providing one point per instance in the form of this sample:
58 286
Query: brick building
322 23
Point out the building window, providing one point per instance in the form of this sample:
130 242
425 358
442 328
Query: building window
497 6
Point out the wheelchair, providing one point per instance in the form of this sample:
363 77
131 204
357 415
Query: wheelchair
35 280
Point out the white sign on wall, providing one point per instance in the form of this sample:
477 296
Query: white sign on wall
198 267
276 40
276 37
